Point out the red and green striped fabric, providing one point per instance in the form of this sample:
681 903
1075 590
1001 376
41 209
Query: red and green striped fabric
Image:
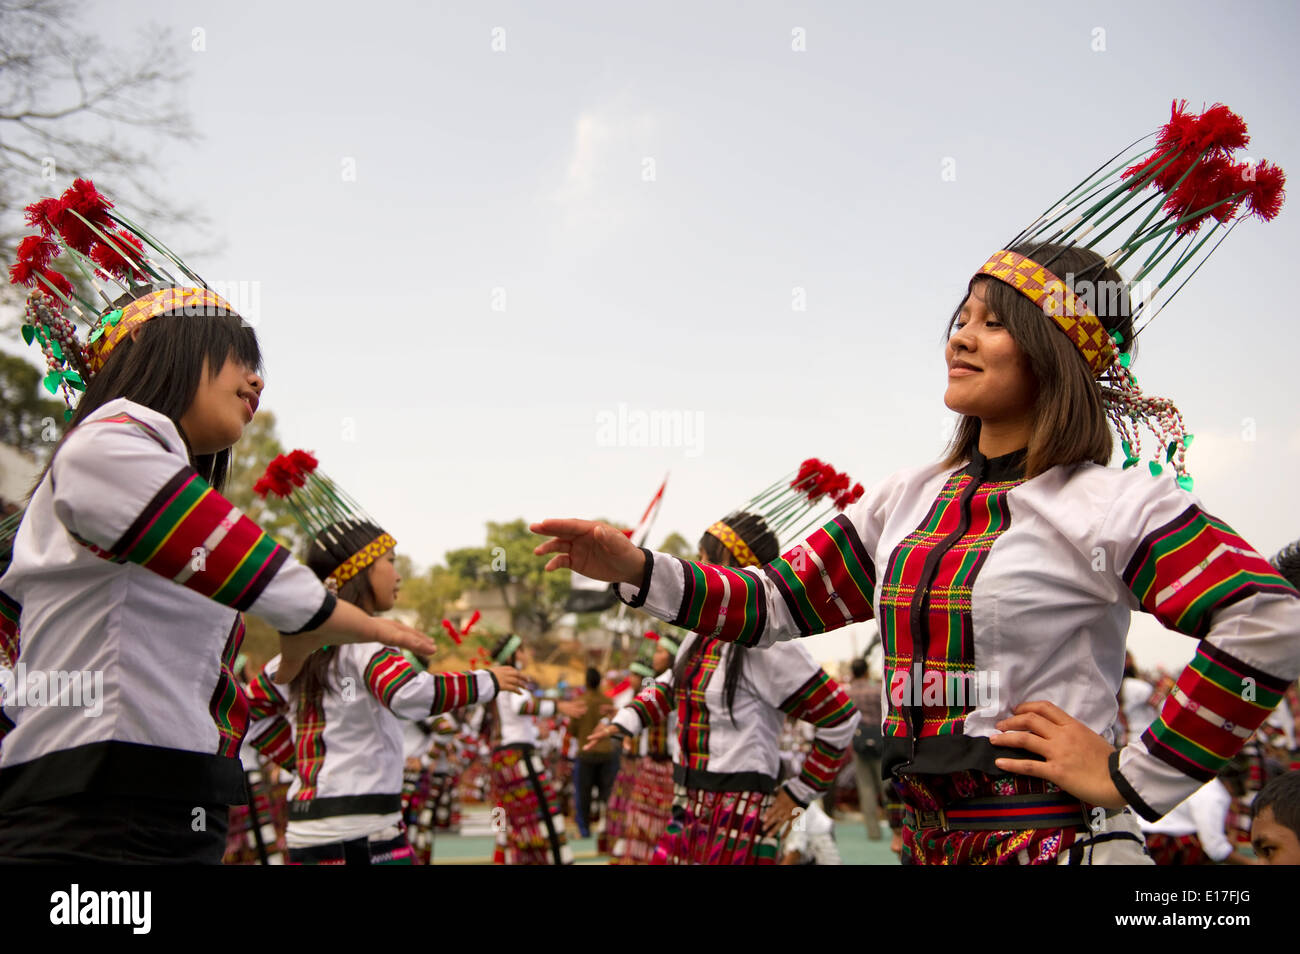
10 612
1193 565
652 704
692 708
265 698
826 582
229 703
963 543
276 743
386 673
824 703
1223 693
310 749
191 534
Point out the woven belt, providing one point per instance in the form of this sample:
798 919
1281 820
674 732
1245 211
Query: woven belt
1006 813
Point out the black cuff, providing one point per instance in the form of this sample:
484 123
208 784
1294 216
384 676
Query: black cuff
1129 792
639 599
326 610
496 686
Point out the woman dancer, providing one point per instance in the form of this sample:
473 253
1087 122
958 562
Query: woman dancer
1022 555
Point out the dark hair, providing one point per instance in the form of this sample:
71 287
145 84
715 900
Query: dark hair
160 367
315 679
859 668
1070 425
1282 794
763 543
1287 563
593 678
751 528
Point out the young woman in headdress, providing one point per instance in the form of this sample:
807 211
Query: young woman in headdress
347 702
731 705
130 569
532 831
1021 555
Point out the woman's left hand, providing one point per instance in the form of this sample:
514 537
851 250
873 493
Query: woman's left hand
1077 759
781 810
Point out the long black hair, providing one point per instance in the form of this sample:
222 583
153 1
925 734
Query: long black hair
763 543
161 367
315 679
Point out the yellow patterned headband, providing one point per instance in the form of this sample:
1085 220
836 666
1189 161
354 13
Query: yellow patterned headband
367 555
1070 313
118 324
735 545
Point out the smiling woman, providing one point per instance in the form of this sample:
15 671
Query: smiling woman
130 564
1022 555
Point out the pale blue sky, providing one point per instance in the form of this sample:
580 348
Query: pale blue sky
523 170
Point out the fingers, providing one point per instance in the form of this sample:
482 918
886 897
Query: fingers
1030 721
558 563
1047 710
1022 740
554 545
567 528
1023 767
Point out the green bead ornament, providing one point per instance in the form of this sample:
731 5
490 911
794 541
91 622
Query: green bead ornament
1185 482
28 333
67 414
1125 359
113 317
1169 454
1187 440
1156 469
51 382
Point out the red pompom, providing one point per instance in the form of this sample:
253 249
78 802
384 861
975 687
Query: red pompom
58 281
110 260
262 487
472 620
451 631
1268 192
23 272
652 635
1219 128
303 461
83 198
1212 185
74 232
38 250
45 215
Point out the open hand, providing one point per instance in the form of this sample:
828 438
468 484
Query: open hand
600 734
779 813
572 709
509 679
593 549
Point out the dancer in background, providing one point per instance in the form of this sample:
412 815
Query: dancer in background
731 705
533 830
345 706
1021 554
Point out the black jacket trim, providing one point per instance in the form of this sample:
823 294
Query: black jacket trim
125 768
639 599
706 781
316 622
345 805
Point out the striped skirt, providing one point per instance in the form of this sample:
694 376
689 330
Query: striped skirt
1175 849
647 812
717 828
530 828
393 851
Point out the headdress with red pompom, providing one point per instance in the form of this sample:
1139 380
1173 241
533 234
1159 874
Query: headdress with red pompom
115 258
1155 210
332 520
785 512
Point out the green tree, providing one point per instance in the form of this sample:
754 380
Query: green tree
29 420
430 593
538 597
253 452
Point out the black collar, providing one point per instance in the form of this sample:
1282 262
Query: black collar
1004 467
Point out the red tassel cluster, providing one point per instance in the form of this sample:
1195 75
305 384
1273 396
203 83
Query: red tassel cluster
58 222
817 479
1204 145
284 473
